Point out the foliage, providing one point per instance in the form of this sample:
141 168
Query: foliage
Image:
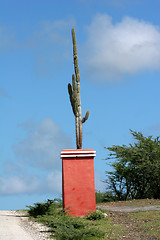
61 224
102 197
74 94
67 227
43 208
95 215
136 172
117 225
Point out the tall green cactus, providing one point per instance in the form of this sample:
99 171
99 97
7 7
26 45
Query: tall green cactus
74 94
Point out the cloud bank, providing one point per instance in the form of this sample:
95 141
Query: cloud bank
38 164
17 185
43 144
127 47
30 184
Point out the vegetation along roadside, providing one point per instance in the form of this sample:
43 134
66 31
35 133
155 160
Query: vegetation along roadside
99 224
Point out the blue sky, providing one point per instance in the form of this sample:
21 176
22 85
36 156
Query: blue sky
119 59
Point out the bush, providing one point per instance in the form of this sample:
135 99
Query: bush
61 224
70 228
95 215
40 209
102 197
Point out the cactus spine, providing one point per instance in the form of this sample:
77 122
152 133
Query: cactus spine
74 94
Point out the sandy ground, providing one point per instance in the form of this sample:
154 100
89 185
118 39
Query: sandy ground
15 226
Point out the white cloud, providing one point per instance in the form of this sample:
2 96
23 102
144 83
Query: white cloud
54 182
51 45
56 31
38 164
43 145
31 184
18 185
127 47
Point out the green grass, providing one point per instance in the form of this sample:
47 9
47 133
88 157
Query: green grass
149 221
111 230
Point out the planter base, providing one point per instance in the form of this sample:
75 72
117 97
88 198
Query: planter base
78 186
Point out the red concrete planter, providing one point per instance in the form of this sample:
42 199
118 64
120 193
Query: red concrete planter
78 185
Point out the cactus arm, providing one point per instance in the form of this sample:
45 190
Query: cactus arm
73 99
86 117
70 92
74 83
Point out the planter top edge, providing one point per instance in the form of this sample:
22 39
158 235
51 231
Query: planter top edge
77 150
80 153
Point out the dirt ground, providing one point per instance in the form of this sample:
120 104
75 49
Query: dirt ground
132 229
137 218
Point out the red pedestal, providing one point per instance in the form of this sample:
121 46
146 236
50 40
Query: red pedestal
78 186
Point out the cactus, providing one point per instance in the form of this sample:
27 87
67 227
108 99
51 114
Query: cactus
74 94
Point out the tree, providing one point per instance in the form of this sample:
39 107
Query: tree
136 172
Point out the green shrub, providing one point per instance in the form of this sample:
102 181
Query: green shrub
70 233
64 226
99 197
40 209
61 224
70 228
108 196
95 215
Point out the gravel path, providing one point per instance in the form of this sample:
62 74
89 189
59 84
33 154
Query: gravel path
130 208
16 226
